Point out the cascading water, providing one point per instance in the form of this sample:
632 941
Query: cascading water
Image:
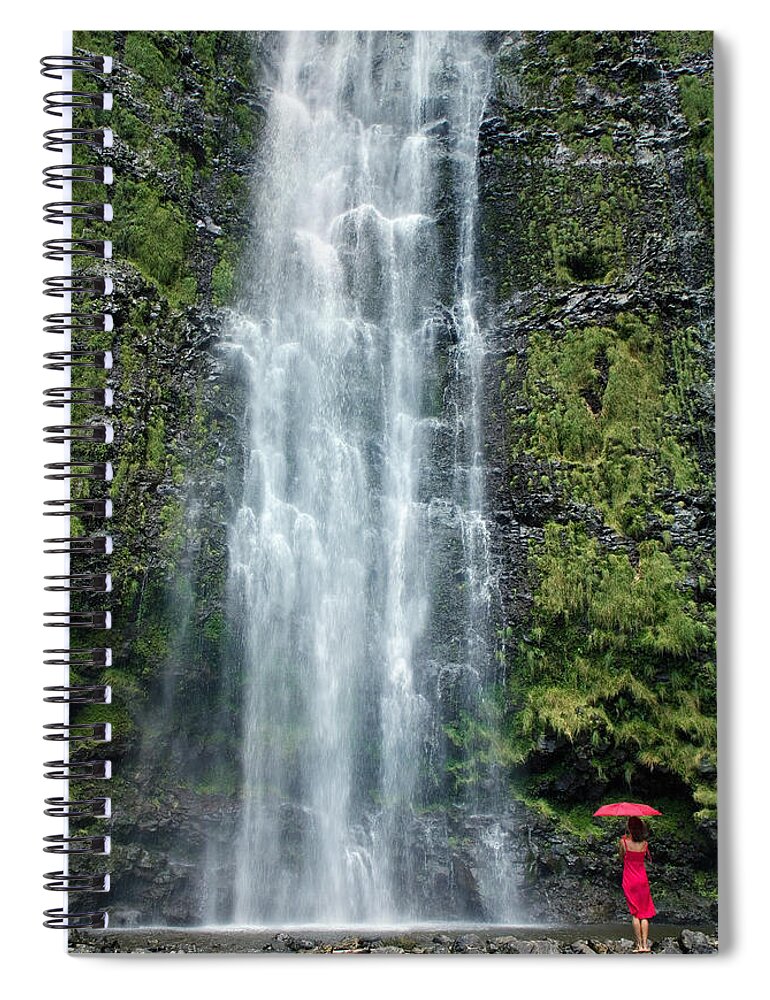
360 574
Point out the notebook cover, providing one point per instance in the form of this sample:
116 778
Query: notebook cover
414 493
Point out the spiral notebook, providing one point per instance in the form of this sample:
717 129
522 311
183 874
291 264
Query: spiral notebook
384 366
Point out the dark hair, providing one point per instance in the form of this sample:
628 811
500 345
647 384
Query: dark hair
637 828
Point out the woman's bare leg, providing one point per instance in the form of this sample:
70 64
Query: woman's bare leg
645 927
637 932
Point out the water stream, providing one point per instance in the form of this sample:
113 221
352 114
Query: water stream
361 582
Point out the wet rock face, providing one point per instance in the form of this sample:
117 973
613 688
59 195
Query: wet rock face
590 211
181 202
556 175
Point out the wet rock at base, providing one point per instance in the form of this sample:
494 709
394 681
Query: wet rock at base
581 948
620 947
129 941
695 943
469 943
667 946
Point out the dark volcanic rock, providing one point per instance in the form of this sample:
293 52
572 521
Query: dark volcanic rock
467 944
695 943
249 942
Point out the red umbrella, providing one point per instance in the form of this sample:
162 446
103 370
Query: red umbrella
626 809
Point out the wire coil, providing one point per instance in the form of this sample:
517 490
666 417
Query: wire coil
57 139
89 433
101 471
59 361
92 211
86 322
85 173
80 473
79 658
54 66
57 919
80 694
82 770
65 882
83 545
77 284
59 100
95 807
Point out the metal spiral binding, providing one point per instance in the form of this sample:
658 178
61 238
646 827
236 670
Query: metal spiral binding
62 173
78 323
53 66
60 249
57 360
57 138
80 508
64 882
78 807
93 211
81 694
58 100
77 286
98 470
98 545
91 433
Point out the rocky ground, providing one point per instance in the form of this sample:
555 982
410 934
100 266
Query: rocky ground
591 940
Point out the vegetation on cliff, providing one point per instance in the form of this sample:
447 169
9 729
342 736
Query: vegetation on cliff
598 168
185 125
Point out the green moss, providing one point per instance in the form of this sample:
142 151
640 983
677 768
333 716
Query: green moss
697 101
155 455
474 744
245 121
96 42
223 780
204 46
676 46
617 658
576 820
142 55
569 222
164 615
577 49
551 58
600 408
157 237
152 643
223 275
621 604
214 627
581 256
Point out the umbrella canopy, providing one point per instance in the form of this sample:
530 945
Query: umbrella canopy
626 809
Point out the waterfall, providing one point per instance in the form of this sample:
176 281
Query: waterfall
360 574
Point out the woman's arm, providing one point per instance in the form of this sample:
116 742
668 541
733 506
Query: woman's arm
622 846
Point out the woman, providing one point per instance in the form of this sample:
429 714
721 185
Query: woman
634 849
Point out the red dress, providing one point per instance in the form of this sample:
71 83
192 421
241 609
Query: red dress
635 884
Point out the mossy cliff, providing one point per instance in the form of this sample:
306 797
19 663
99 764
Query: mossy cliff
597 242
186 122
